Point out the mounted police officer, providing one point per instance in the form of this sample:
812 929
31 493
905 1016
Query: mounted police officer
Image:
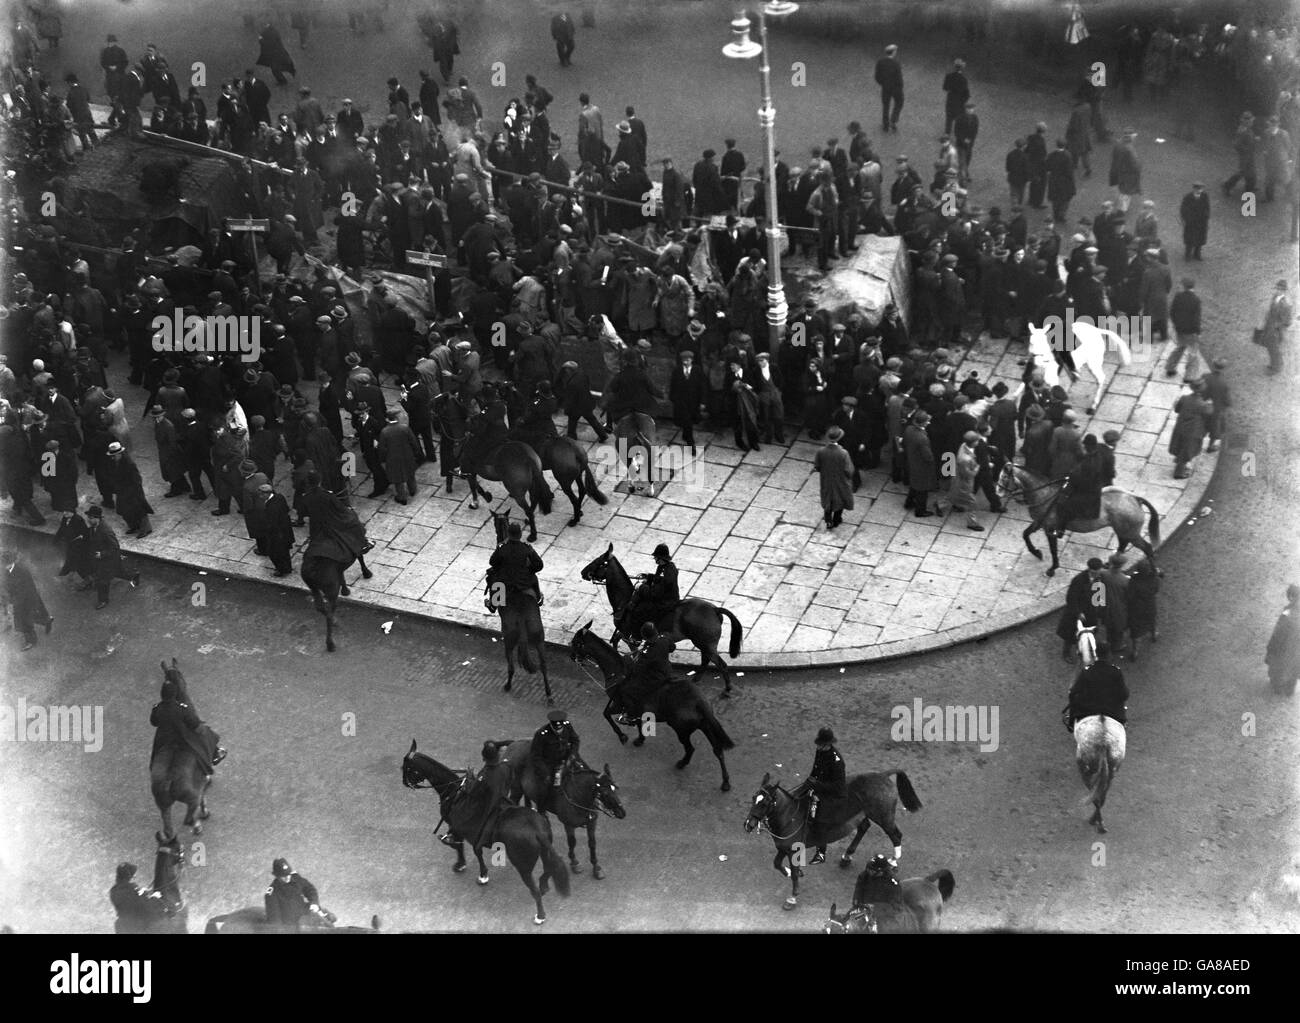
1098 689
649 671
1081 496
178 726
826 785
483 799
555 744
658 595
292 901
514 565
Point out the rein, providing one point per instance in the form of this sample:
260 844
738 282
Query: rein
772 831
590 811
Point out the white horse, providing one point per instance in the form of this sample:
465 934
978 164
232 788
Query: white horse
1089 352
1099 744
1086 641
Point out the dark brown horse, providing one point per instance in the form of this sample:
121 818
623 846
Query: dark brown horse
522 632
884 905
563 457
323 571
524 834
872 797
679 704
176 775
518 467
693 619
582 794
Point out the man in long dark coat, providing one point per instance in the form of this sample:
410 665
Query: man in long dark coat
1194 214
128 487
835 468
399 451
273 55
1283 653
106 557
20 593
277 529
1090 597
59 476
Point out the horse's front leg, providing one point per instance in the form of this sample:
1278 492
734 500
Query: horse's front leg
546 679
571 834
1052 546
475 493
640 734
365 569
482 867
596 872
1030 530
609 716
510 665
460 864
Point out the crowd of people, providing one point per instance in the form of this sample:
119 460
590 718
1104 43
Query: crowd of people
532 257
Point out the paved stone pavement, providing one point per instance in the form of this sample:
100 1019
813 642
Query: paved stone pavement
745 531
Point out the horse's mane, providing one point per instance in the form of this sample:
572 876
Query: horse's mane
601 651
428 762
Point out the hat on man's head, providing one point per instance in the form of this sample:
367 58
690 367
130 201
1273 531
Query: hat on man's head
258 421
1069 416
188 413
1035 413
490 753
265 488
156 410
661 551
849 400
125 871
1219 364
115 448
557 717
921 417
824 736
1110 436
1095 564
95 512
834 434
281 868
248 465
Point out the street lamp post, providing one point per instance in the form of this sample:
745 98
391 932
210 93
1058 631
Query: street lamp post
743 48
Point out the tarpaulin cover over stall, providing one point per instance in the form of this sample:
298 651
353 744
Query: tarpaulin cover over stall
108 179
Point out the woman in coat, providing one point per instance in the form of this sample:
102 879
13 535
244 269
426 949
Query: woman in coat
961 488
835 467
816 402
676 304
115 420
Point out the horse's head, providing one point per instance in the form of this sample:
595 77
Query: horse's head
501 523
836 923
172 673
578 645
412 775
595 571
1007 485
1039 346
1086 639
607 794
763 803
168 862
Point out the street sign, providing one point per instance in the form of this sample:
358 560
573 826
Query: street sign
426 259
248 225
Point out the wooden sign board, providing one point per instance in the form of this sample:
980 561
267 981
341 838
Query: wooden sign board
249 225
426 259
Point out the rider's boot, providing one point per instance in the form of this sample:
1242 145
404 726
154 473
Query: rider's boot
220 755
820 856
450 839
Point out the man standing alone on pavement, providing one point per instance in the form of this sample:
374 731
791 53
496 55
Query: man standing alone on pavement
1276 321
889 76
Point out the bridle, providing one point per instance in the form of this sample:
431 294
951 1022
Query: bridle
758 827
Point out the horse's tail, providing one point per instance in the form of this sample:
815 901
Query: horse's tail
911 801
714 732
593 488
1155 520
945 882
737 631
1121 346
554 865
542 492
